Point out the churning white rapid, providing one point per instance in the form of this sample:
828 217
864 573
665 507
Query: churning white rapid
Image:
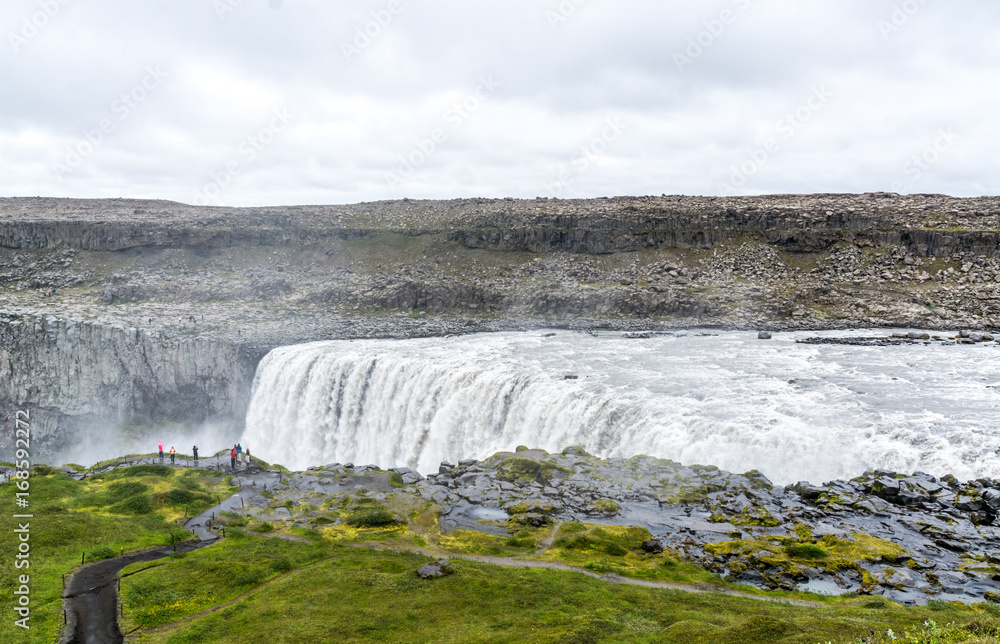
794 411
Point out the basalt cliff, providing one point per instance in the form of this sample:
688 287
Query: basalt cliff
135 313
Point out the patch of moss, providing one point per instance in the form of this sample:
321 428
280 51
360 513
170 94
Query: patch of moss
474 542
139 504
525 470
101 552
606 506
531 505
752 516
805 551
570 527
375 517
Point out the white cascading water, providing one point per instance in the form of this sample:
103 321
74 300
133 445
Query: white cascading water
793 411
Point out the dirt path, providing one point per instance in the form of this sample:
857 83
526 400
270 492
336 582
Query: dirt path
610 578
91 595
547 542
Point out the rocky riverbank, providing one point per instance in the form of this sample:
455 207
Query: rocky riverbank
909 537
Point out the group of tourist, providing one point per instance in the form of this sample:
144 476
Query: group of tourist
237 455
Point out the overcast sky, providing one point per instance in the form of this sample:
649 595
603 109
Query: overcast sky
270 102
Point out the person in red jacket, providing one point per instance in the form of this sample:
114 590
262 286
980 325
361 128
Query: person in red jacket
160 447
232 457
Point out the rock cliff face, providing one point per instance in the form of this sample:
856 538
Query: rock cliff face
134 313
77 378
924 224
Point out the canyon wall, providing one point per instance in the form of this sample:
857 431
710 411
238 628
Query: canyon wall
79 378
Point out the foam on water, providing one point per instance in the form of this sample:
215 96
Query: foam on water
793 411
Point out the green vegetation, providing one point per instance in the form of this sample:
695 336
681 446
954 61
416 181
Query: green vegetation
162 591
830 553
525 470
371 516
286 591
752 516
271 581
93 519
606 506
805 551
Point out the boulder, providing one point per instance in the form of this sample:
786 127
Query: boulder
806 490
764 335
653 546
412 477
435 570
992 498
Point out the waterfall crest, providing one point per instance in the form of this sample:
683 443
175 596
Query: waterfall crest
793 411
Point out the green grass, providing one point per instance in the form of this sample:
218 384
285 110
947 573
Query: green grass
371 517
128 509
326 589
329 592
66 525
805 551
159 592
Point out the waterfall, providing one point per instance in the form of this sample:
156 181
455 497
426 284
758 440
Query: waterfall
796 412
325 402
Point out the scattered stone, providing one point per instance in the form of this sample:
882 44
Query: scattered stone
435 570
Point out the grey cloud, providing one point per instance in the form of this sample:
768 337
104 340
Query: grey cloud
355 115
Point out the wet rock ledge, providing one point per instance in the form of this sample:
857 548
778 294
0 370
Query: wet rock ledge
909 537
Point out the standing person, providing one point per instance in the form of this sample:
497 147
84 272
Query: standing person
173 453
195 450
246 455
239 453
160 447
232 458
